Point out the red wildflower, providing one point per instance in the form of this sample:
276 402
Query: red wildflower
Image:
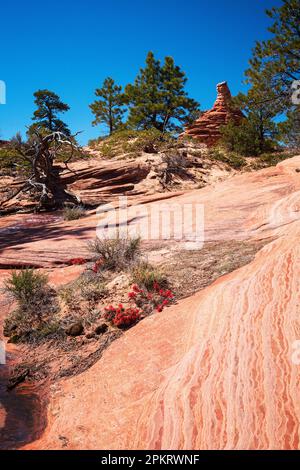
127 317
97 265
132 295
159 308
75 261
136 288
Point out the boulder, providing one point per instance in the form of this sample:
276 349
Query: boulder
76 329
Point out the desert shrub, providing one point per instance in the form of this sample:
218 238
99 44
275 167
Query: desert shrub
93 143
87 288
244 139
26 286
149 141
36 304
74 213
176 164
146 275
231 159
115 254
11 161
130 141
66 153
92 290
271 159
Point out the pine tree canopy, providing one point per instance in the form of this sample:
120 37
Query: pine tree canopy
49 105
276 61
108 108
157 98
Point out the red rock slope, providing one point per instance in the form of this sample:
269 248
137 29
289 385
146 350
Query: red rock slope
216 370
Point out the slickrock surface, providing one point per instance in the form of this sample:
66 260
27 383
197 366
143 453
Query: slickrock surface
214 371
206 128
251 205
95 181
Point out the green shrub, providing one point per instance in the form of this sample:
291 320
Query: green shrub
144 274
37 305
10 161
231 159
271 159
73 213
116 254
26 285
129 141
244 139
66 153
87 287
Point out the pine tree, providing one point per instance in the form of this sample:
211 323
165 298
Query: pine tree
108 109
258 132
261 107
290 128
157 98
176 105
277 60
49 105
144 96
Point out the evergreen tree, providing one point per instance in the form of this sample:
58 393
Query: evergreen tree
144 96
290 128
242 139
49 105
176 105
258 132
157 98
108 109
261 107
277 60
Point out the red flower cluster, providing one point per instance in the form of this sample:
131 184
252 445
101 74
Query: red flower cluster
167 294
122 317
159 299
75 261
97 266
127 318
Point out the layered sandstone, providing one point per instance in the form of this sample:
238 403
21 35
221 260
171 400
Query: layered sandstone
218 370
206 128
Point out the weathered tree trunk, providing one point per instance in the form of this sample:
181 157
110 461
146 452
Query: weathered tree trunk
44 183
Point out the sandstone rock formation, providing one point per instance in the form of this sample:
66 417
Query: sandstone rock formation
96 181
215 371
206 128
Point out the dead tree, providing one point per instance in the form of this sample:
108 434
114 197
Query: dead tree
43 183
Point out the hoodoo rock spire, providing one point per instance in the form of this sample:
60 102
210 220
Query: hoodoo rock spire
206 128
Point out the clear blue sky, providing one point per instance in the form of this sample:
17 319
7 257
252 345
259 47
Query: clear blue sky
71 46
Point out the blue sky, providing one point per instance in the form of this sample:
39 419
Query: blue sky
71 46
